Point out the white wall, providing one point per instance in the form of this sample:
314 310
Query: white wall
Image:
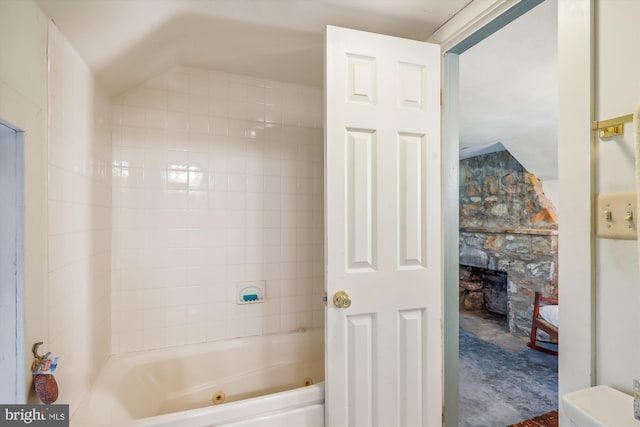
67 198
79 220
217 178
550 189
23 103
610 355
617 275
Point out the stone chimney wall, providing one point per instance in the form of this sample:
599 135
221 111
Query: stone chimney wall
508 224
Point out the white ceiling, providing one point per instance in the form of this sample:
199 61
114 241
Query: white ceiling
508 82
509 92
127 41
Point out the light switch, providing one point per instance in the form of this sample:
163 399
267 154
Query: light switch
616 216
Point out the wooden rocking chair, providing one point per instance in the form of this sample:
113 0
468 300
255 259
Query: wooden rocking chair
540 323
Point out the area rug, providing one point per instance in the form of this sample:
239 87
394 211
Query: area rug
499 387
546 420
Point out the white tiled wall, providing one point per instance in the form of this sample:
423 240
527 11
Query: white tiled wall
79 221
217 179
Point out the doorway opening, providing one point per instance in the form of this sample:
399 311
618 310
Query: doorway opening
11 265
508 227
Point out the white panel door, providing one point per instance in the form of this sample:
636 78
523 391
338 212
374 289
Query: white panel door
383 231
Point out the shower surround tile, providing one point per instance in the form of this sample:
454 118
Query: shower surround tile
79 220
217 178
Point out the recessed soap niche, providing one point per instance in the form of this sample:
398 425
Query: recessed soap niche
250 292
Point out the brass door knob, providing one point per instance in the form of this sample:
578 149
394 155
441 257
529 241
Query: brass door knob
341 300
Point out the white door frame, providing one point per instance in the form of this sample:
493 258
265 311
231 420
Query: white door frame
576 167
575 34
12 359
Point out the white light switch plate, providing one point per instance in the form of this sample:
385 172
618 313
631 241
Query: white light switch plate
618 205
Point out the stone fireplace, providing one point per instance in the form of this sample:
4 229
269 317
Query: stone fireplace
482 289
508 231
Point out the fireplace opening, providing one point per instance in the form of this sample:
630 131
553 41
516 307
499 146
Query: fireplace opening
483 291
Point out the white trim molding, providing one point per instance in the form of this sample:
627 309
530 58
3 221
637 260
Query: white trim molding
469 20
576 173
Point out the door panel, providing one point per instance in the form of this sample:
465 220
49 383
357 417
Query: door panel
411 209
361 362
361 191
383 230
411 348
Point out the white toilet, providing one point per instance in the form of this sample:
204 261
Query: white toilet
599 406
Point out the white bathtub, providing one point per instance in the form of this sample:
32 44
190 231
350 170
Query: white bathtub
262 377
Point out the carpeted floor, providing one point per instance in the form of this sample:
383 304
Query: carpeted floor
500 387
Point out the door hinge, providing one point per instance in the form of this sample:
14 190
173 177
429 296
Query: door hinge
324 299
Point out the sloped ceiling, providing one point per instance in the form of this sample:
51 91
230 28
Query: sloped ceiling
127 41
509 92
508 81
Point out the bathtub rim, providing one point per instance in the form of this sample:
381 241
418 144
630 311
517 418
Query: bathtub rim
233 412
119 365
